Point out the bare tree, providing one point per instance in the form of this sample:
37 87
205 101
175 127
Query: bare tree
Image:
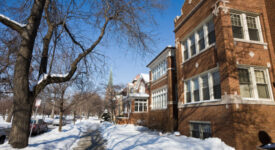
123 19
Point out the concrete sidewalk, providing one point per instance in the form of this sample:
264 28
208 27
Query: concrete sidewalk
91 140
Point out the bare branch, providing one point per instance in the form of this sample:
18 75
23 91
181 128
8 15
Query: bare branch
12 24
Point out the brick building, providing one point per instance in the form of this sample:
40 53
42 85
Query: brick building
219 81
225 70
135 101
162 113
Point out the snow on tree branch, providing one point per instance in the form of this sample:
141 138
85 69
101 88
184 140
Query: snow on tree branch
11 23
217 7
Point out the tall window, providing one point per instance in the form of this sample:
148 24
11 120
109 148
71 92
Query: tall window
140 105
198 88
252 28
216 85
188 91
237 26
196 91
193 45
245 83
159 70
246 26
201 39
262 85
185 50
205 87
200 130
159 99
254 83
211 32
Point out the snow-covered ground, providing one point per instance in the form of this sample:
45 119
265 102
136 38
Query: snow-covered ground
118 137
4 124
54 140
140 138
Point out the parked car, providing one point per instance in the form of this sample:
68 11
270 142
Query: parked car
56 121
3 136
38 126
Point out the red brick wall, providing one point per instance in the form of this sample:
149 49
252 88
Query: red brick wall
237 127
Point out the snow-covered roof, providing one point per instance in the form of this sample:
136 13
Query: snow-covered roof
145 77
138 95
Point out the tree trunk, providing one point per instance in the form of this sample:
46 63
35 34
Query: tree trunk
10 114
60 115
23 98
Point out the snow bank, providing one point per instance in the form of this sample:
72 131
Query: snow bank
4 124
137 137
53 139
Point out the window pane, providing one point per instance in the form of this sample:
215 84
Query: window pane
211 32
205 88
195 130
261 84
237 32
252 28
251 22
206 128
244 76
188 91
245 90
201 39
262 91
245 84
253 34
186 53
196 91
236 26
193 45
260 76
140 107
136 106
216 85
188 97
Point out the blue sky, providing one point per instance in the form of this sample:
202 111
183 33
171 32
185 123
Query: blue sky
127 64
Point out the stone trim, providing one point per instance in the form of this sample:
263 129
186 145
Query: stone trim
227 99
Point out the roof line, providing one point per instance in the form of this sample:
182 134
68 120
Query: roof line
189 15
172 47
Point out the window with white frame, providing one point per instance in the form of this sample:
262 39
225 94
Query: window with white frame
211 32
159 99
185 50
254 83
140 105
159 70
246 26
204 87
188 91
201 39
193 45
196 90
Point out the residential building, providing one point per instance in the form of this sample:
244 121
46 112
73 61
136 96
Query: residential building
162 113
135 103
225 70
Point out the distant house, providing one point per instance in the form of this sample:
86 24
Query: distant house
135 101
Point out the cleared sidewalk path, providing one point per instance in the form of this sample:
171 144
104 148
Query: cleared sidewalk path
91 140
